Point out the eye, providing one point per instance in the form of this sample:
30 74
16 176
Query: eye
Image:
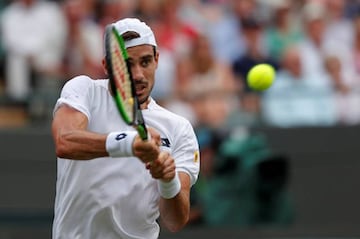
146 61
131 63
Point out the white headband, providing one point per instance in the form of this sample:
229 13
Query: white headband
134 24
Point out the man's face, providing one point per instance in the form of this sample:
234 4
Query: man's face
143 64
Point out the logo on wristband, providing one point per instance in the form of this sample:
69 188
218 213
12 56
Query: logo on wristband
165 142
120 136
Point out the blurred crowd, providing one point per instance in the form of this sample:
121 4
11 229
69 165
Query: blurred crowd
206 47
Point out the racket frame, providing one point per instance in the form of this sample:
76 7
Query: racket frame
136 119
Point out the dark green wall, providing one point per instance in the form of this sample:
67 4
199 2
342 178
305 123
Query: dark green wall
324 184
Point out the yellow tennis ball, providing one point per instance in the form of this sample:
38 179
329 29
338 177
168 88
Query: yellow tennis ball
261 77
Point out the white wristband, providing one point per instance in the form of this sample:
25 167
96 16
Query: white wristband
119 144
170 189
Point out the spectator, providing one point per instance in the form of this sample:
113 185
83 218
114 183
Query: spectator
83 34
203 15
229 26
356 48
312 48
255 54
43 25
247 113
208 84
296 99
284 29
111 10
351 8
162 16
338 39
164 89
2 55
338 26
347 98
253 30
147 10
173 33
175 37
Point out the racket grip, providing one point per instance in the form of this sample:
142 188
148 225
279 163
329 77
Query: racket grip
143 132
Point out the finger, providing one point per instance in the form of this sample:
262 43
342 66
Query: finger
154 135
168 176
156 169
162 166
169 167
165 176
162 157
146 151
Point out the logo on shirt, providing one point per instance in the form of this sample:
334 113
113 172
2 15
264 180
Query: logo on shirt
165 142
120 136
196 156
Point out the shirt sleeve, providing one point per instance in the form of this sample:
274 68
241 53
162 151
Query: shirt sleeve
186 152
76 93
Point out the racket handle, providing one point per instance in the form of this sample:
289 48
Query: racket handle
142 132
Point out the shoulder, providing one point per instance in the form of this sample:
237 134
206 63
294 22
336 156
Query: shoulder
80 91
167 114
169 121
84 82
83 86
81 78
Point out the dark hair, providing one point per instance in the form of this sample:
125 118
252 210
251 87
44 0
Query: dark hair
129 35
251 22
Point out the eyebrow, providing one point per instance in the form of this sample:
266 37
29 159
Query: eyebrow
145 57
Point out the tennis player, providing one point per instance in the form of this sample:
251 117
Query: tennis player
110 183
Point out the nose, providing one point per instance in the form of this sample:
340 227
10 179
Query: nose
136 72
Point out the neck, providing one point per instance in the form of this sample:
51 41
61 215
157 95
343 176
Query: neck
144 105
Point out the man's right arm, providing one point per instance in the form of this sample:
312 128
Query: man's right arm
73 140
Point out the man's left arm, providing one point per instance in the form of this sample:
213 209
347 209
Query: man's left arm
174 188
176 179
175 211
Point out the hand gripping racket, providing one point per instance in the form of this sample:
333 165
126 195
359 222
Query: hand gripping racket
121 82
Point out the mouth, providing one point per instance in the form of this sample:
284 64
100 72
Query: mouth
140 89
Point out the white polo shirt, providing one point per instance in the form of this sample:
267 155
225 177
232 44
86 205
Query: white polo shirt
115 198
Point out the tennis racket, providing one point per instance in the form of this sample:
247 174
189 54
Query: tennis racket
121 82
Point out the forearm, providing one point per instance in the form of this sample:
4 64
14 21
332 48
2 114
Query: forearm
175 211
80 145
72 139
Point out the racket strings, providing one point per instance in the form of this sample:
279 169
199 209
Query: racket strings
122 77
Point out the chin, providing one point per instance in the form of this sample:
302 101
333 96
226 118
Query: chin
143 100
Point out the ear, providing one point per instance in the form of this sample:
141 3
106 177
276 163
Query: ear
156 58
104 66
